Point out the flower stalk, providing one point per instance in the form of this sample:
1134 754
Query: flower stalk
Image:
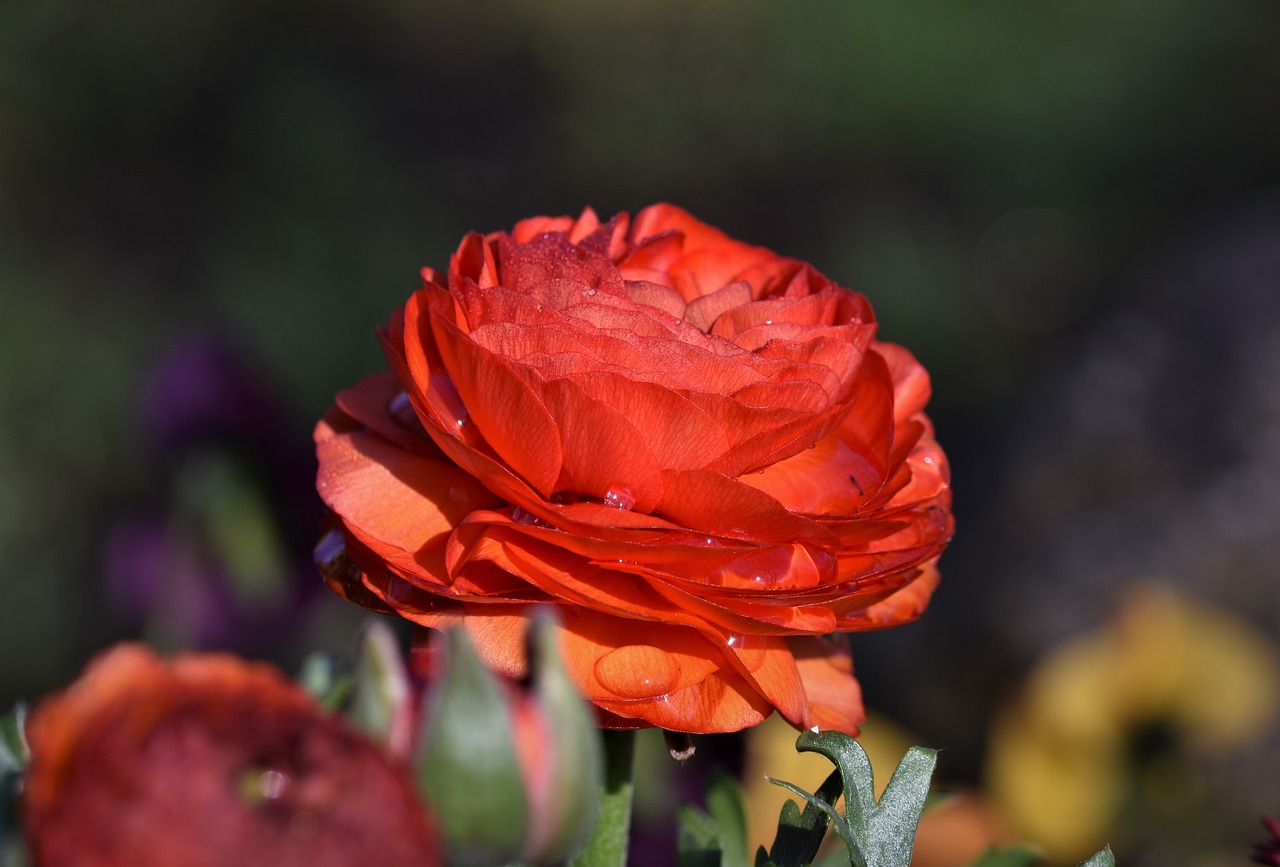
607 846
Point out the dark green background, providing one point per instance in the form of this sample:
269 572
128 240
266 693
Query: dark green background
1006 180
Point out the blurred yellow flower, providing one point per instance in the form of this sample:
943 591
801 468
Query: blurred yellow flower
1060 761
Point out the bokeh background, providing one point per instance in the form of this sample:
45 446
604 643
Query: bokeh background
1069 211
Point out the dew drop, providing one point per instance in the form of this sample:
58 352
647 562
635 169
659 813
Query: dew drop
401 409
637 671
271 784
458 494
524 516
928 459
768 322
750 649
620 497
590 293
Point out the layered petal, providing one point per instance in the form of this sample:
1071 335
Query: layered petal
694 447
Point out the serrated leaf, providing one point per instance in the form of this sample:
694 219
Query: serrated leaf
876 833
800 834
1105 858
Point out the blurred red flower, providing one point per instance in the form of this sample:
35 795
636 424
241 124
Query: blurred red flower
209 760
1268 852
694 447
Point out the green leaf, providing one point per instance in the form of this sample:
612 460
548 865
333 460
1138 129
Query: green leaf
697 838
724 802
1016 856
876 833
800 834
14 752
1100 859
717 838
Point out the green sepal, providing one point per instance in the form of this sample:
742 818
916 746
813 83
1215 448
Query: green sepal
467 766
319 677
381 694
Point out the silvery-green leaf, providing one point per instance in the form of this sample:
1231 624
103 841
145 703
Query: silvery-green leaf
1100 859
800 834
877 833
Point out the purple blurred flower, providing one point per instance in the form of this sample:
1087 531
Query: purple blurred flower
215 563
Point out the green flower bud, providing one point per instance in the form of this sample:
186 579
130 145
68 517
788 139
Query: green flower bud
513 773
382 703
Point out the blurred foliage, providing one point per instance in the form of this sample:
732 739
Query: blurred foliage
1012 185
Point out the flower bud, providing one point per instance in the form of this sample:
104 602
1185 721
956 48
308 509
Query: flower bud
382 704
513 772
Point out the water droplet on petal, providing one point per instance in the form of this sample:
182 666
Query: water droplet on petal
401 409
330 556
620 497
637 671
458 494
271 784
749 648
589 293
523 516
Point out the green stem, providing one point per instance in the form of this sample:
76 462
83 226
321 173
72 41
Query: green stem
608 844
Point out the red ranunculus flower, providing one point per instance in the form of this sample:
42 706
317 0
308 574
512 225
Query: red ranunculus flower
694 447
208 761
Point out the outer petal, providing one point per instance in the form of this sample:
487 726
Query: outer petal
826 669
